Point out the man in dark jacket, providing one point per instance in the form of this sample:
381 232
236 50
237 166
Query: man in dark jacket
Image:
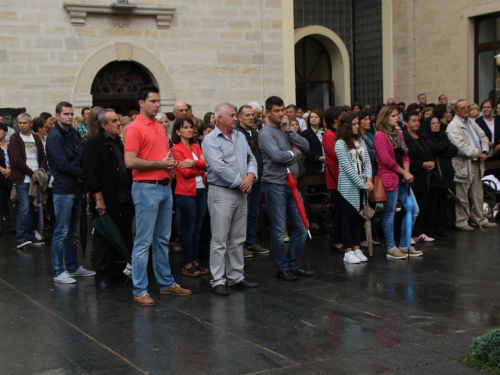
26 155
109 182
246 119
64 151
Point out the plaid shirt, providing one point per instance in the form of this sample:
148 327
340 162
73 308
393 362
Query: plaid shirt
82 129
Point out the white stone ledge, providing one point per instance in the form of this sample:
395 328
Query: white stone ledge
78 12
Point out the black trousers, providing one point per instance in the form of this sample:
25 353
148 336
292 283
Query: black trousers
435 215
337 216
352 224
105 254
5 204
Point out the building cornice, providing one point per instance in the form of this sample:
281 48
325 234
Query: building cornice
78 12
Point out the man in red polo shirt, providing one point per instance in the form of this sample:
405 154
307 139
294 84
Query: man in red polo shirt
148 155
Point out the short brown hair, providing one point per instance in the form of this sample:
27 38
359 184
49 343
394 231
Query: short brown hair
179 121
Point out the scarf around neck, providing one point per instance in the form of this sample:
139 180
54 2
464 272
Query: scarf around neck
396 140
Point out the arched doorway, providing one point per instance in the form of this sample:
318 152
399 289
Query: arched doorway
314 87
116 84
338 55
122 52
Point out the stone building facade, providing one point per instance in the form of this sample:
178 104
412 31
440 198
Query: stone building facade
212 51
206 51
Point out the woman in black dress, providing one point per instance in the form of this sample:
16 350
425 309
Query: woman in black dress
443 151
421 166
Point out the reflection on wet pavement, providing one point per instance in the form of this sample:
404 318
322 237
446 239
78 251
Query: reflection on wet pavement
402 316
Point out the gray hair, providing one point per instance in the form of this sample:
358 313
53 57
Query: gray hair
256 107
101 117
24 115
458 101
419 95
222 109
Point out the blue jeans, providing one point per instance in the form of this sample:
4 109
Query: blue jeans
153 216
67 209
253 200
26 217
280 205
192 213
400 194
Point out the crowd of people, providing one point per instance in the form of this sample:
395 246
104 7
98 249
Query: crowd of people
150 173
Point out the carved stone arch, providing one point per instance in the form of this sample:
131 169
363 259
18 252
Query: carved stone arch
122 52
339 57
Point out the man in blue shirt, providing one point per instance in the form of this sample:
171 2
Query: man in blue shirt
64 152
231 172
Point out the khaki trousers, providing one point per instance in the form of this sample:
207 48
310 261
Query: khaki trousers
228 223
476 195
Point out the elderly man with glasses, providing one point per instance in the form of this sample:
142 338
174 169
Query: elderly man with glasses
472 144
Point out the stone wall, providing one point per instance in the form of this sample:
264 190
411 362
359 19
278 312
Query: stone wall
433 48
214 51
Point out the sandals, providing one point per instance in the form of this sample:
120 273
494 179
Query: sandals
190 271
199 267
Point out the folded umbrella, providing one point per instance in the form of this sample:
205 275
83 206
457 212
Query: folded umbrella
465 207
41 216
292 184
105 225
367 213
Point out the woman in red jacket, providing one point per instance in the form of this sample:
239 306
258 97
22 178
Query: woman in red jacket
332 116
190 193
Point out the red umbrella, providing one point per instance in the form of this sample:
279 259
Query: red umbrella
292 184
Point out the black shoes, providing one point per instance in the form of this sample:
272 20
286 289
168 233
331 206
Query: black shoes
246 284
287 276
303 273
221 290
336 249
104 286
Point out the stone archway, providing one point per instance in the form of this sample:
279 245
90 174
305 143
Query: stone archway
122 52
339 57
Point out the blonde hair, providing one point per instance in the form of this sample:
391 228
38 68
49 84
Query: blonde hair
383 117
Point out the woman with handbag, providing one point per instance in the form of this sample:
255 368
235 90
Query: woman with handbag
394 171
190 193
355 176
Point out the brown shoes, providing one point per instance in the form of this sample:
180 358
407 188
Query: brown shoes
413 252
466 228
247 253
144 300
259 249
175 290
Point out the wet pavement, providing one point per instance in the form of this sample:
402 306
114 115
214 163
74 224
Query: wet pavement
415 316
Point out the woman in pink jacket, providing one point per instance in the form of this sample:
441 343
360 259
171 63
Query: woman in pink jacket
393 162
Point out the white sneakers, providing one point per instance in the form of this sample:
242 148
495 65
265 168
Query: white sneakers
64 278
81 272
67 277
355 256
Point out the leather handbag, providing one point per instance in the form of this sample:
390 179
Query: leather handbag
378 194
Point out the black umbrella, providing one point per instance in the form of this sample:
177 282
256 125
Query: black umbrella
105 225
83 226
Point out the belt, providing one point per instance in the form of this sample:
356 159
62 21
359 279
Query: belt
225 187
164 182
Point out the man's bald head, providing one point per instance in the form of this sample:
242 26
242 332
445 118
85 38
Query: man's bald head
180 109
